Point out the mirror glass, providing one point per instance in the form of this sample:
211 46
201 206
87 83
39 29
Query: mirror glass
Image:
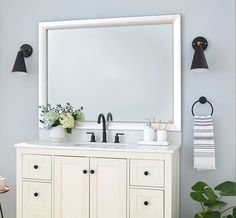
125 70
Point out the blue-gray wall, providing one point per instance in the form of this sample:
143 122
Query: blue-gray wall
211 18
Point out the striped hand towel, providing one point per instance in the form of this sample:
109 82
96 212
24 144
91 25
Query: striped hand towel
204 146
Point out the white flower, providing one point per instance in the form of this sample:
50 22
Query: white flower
49 119
80 116
67 120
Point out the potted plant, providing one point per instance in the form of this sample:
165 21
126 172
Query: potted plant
60 118
212 201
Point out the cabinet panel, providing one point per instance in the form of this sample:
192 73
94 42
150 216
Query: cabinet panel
108 188
147 173
37 200
71 187
37 167
146 203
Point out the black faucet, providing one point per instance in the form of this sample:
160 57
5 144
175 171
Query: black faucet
104 134
109 117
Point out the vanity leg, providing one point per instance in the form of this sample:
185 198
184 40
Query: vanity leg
1 210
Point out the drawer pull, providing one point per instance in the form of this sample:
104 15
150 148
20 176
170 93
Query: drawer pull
145 203
92 171
85 171
36 194
146 173
36 167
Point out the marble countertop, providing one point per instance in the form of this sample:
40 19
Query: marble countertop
73 145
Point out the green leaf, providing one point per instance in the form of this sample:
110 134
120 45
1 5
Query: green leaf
227 188
203 213
215 204
197 216
203 194
210 194
199 197
209 214
74 116
69 130
199 186
56 123
234 212
213 214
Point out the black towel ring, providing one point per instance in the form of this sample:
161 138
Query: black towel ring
203 100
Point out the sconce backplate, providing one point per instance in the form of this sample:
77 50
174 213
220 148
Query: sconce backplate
27 50
200 41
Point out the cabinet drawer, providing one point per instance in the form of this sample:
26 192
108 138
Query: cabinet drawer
147 173
146 203
37 167
36 200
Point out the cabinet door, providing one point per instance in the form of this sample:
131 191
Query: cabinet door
37 200
71 187
108 188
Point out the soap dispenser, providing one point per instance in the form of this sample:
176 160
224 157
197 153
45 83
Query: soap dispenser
148 133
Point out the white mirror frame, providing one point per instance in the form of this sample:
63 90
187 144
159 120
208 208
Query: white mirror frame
175 20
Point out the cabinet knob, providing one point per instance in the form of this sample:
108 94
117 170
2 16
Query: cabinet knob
92 171
85 171
36 167
146 173
36 194
145 203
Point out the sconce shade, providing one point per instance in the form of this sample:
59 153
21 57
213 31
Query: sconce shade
19 65
199 62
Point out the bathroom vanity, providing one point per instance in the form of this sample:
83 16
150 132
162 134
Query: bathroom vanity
97 180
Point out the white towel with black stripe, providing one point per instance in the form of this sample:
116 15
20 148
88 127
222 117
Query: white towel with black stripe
204 145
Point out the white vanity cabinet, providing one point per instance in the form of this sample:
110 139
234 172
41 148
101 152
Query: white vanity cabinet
67 181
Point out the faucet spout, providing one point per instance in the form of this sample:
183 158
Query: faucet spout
104 134
109 117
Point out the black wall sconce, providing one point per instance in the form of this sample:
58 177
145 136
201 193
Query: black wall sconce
199 60
19 67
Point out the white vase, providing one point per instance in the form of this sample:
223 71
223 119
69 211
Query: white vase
161 135
57 134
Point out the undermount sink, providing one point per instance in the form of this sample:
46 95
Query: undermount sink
119 146
101 145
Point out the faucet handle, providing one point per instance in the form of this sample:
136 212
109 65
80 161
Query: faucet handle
117 138
93 138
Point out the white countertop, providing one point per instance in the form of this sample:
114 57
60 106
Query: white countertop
98 146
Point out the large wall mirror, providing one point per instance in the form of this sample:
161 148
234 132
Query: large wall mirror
130 67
